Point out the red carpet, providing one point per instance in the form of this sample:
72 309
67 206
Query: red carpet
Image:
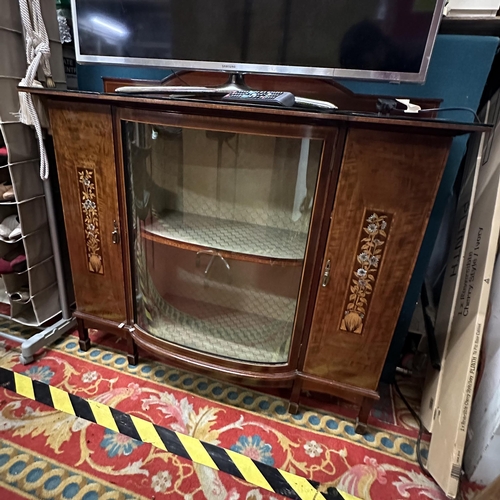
48 454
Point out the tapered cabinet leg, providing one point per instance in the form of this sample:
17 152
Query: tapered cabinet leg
83 335
293 404
132 352
364 413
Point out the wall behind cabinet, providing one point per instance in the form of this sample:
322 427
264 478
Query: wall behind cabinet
457 74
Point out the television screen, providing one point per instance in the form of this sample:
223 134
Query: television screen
385 39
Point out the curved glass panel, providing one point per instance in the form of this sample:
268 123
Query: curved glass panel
220 228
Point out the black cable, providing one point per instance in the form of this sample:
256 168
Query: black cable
420 430
458 108
179 78
434 357
405 115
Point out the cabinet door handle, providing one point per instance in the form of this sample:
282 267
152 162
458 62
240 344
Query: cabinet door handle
115 235
326 273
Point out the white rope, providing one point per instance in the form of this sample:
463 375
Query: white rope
37 53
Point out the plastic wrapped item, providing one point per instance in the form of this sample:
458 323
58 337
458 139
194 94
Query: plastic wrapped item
64 29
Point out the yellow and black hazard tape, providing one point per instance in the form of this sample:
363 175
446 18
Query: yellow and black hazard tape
256 473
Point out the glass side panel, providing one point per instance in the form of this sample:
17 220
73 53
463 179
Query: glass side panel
220 225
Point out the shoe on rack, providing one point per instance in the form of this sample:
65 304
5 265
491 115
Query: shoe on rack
9 194
10 228
13 262
23 296
6 192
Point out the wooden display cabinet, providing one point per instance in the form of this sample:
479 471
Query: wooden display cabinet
265 246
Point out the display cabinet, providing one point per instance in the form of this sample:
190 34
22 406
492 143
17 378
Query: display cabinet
271 247
220 219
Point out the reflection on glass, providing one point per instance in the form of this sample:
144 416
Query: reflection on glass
220 231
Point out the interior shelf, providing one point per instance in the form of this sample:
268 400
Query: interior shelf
39 309
36 278
221 331
217 318
237 238
14 202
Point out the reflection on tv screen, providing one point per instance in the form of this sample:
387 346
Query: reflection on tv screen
380 35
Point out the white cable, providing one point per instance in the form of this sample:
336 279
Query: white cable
37 53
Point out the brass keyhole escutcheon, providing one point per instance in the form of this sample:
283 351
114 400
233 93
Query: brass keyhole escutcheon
326 273
115 234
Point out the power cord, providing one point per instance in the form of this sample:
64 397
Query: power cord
386 106
179 77
458 108
176 74
420 430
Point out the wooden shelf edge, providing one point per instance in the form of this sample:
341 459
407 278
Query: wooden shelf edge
479 26
399 124
256 259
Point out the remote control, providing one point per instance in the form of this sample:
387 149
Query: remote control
261 97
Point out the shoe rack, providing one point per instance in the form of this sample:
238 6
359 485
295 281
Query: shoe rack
33 286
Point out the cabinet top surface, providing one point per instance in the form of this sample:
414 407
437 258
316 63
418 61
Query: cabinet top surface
319 118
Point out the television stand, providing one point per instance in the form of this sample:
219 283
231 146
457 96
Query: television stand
235 81
270 243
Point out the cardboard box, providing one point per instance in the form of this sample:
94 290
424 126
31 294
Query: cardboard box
482 453
460 364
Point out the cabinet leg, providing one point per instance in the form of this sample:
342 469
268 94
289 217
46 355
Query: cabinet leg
83 335
364 413
132 353
293 404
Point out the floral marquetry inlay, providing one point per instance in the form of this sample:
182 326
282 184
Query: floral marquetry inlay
90 214
369 255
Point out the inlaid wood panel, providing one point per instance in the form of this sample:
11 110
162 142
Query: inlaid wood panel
385 194
371 249
90 215
83 138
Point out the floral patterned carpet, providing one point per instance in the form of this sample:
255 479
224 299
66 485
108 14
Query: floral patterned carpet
46 454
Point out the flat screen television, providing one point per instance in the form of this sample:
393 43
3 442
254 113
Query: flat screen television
389 40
